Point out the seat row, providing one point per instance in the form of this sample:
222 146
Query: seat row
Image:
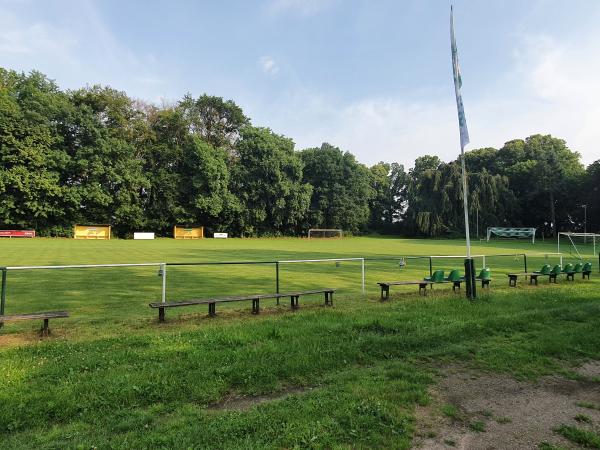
569 270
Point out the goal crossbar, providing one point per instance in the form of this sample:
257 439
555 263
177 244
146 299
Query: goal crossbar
570 236
333 232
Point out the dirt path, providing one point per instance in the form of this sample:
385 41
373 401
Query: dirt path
490 411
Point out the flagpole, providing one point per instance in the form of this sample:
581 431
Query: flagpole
464 140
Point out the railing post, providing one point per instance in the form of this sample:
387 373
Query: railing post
277 277
525 261
363 274
3 294
163 270
430 267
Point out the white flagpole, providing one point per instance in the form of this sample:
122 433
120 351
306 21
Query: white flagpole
464 140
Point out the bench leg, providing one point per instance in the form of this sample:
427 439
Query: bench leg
423 289
456 285
161 314
512 281
385 290
45 331
294 301
255 306
212 309
328 298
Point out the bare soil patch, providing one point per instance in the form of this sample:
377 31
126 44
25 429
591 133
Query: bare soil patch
234 402
473 410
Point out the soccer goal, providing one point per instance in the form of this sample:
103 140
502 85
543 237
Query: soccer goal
578 244
324 233
514 233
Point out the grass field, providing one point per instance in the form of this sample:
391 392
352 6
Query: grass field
112 377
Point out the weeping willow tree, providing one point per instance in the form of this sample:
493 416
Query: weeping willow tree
436 200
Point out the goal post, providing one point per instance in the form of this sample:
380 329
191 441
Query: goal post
578 244
511 232
325 233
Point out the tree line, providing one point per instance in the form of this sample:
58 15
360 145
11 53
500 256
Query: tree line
94 156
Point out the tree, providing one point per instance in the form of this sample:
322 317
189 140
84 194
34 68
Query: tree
204 189
341 189
105 171
216 121
267 180
542 169
32 153
389 184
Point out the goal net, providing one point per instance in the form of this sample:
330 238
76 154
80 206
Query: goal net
578 245
324 233
511 233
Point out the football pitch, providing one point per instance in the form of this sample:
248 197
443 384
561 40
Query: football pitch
350 376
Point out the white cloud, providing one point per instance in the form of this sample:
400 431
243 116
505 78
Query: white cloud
79 50
269 66
552 88
303 8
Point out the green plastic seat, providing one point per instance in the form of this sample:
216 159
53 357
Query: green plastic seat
586 270
436 277
578 268
454 275
568 268
556 270
545 270
485 276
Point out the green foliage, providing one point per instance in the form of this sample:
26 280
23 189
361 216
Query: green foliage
341 189
94 155
268 183
477 426
585 438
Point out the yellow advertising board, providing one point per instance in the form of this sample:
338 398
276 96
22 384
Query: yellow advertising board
181 232
92 232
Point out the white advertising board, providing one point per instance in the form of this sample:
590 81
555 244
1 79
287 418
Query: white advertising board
143 235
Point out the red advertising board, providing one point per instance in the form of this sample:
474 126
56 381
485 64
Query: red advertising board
17 233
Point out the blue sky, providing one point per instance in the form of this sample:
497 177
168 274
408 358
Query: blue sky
372 77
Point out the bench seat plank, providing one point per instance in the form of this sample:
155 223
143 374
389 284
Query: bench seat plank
45 316
211 302
34 316
236 298
385 286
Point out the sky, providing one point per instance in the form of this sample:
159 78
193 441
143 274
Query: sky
371 77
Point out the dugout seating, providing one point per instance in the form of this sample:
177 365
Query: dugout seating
255 298
485 276
533 276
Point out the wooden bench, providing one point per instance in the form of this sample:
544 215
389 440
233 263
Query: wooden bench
45 316
385 286
255 298
533 277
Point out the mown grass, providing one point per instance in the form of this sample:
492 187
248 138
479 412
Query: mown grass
118 379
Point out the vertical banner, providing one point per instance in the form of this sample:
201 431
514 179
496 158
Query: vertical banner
462 121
